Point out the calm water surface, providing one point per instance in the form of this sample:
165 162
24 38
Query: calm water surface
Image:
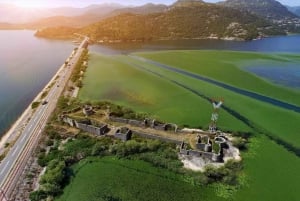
26 66
288 44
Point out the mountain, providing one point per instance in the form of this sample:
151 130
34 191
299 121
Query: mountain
269 9
83 17
295 10
10 13
188 3
13 14
145 9
72 17
178 22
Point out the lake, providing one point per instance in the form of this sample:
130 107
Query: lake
287 44
28 63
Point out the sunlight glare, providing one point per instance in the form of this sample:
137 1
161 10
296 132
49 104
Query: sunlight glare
30 3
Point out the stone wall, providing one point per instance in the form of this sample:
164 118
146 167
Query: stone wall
85 126
123 134
102 130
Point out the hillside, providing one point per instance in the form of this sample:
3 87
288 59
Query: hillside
178 22
145 9
94 14
295 10
270 9
188 3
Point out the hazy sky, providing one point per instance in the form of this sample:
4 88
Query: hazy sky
82 3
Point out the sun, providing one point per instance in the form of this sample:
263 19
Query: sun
30 3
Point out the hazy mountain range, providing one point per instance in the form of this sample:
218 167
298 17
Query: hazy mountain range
270 9
295 10
13 14
245 19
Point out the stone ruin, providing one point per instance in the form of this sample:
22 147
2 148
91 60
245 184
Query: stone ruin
146 123
123 134
86 125
204 148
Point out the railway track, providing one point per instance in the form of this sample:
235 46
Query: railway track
12 167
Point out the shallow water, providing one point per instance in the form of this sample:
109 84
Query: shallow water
287 74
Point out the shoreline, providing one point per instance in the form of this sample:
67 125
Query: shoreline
9 136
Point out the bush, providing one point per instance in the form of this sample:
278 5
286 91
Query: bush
49 142
240 143
35 105
37 195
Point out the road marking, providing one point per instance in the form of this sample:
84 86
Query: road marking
30 127
13 154
23 137
5 167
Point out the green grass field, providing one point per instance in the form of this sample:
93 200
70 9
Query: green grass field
113 179
263 115
108 78
271 172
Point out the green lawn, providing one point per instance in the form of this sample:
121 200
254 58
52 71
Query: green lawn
113 179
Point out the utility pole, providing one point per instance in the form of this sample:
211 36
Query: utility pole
215 116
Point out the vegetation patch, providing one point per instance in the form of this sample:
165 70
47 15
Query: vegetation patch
35 105
160 98
111 178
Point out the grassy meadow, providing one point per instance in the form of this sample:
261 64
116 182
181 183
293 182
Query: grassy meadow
275 121
110 178
271 171
109 78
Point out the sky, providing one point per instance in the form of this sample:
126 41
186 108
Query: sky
81 3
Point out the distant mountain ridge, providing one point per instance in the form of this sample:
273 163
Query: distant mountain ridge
68 16
144 9
270 9
187 3
10 13
179 22
295 10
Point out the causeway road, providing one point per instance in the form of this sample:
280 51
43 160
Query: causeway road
12 166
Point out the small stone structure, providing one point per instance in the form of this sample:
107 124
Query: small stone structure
86 126
204 143
204 148
123 134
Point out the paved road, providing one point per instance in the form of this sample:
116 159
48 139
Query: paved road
244 92
13 164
